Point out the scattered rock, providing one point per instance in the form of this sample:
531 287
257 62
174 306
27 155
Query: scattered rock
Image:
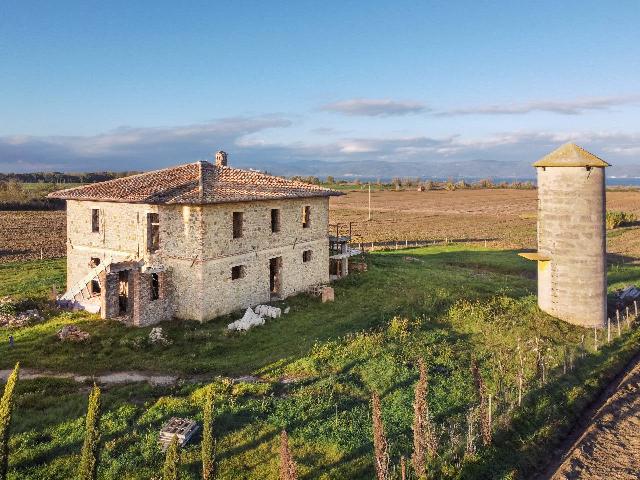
327 294
72 333
268 311
249 320
156 337
287 310
22 319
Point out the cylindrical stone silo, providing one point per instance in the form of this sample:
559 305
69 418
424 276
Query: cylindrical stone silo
572 281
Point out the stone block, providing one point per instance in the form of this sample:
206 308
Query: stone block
327 294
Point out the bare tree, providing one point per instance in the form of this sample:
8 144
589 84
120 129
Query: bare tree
425 442
380 445
288 470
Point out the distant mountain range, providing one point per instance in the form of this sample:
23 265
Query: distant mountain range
360 169
480 168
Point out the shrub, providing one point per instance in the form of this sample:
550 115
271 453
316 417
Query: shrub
425 443
380 445
208 442
171 469
91 447
619 219
6 407
288 470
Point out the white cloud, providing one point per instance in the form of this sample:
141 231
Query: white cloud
369 107
571 107
129 148
249 144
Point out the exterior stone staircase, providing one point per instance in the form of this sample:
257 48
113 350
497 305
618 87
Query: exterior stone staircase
81 287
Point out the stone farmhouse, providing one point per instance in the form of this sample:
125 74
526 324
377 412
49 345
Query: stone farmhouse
193 242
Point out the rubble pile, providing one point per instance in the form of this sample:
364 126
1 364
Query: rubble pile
9 317
156 337
253 318
250 319
268 311
71 333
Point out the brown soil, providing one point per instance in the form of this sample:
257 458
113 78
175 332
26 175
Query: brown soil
504 218
610 446
24 235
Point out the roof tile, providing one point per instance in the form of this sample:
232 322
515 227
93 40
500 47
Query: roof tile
195 183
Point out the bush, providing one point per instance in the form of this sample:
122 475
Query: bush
619 219
6 408
91 447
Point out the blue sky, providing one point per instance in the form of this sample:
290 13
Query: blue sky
135 85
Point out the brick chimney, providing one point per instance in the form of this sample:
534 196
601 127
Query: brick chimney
221 159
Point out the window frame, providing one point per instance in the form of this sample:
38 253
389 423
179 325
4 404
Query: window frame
153 232
237 225
306 216
238 272
276 220
155 287
95 220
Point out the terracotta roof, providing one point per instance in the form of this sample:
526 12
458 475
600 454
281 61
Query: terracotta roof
570 155
195 183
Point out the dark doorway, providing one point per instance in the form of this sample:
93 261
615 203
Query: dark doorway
275 267
123 291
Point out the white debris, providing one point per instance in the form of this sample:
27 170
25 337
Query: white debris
286 310
250 319
156 336
268 311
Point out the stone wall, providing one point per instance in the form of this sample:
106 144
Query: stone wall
147 311
197 245
122 235
197 250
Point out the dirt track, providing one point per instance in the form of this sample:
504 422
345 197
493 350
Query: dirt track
610 446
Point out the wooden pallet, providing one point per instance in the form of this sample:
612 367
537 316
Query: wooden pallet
183 428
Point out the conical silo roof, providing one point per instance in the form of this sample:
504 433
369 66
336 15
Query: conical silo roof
570 155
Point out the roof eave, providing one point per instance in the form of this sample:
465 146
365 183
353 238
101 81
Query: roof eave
191 202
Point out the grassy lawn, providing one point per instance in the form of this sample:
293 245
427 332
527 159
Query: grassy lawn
32 280
445 304
426 284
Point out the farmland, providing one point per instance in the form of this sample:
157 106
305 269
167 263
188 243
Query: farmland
504 218
317 367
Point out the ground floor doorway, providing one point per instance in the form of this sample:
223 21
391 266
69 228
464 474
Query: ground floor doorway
123 292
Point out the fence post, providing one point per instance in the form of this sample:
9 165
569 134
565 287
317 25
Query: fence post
595 337
608 330
618 328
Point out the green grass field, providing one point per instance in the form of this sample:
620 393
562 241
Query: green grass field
445 304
